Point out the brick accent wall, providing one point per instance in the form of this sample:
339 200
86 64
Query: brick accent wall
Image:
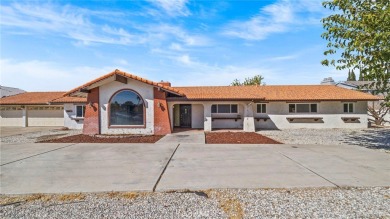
92 118
162 124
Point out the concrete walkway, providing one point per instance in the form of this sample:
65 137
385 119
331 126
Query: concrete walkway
57 168
187 137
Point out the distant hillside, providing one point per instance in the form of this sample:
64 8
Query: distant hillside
9 91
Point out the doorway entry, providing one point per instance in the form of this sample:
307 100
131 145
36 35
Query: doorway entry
185 115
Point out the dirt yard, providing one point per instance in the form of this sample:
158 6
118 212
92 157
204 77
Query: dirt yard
237 138
106 139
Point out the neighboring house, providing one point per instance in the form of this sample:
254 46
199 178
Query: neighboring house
9 91
122 103
357 85
40 109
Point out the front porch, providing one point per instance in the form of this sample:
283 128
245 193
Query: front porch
212 116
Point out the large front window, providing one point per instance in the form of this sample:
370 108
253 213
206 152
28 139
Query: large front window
302 108
224 108
126 108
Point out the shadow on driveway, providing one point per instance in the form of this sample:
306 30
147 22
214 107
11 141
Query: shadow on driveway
372 138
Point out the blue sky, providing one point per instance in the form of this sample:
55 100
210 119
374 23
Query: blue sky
58 45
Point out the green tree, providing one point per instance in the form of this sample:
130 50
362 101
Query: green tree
360 31
255 80
351 76
236 82
361 77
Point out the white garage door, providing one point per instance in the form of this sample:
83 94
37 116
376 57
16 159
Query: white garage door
11 116
45 116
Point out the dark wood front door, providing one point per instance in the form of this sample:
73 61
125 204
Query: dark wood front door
185 115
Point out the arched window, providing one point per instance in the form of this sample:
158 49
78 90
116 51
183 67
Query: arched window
127 109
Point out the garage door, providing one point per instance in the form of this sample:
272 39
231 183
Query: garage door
11 116
46 116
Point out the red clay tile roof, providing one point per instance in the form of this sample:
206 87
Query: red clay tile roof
35 98
68 99
275 93
31 98
118 72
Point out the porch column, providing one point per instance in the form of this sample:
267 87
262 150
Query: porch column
249 121
25 116
207 117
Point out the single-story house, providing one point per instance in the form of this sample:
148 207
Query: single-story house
122 103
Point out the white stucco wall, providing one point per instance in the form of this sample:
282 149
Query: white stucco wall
197 121
70 120
11 118
229 123
331 112
146 91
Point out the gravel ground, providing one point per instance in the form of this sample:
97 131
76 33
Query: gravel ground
237 138
106 139
378 138
228 203
39 136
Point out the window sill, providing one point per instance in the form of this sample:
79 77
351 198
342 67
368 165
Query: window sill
126 126
350 119
225 118
301 119
261 118
77 118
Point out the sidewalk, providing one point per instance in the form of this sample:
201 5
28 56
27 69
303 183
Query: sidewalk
188 137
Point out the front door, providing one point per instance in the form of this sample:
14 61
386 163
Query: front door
185 115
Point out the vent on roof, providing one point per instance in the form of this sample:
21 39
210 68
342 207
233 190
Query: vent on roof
328 81
164 83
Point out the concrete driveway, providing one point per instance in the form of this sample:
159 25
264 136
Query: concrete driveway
275 166
10 131
54 168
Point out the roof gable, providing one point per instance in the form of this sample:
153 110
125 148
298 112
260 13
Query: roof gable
106 79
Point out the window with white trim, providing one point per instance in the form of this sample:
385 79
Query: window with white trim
80 111
348 107
224 108
302 108
261 108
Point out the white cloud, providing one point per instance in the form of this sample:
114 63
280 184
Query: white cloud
185 59
167 31
36 75
79 24
279 17
176 46
282 58
173 8
67 21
